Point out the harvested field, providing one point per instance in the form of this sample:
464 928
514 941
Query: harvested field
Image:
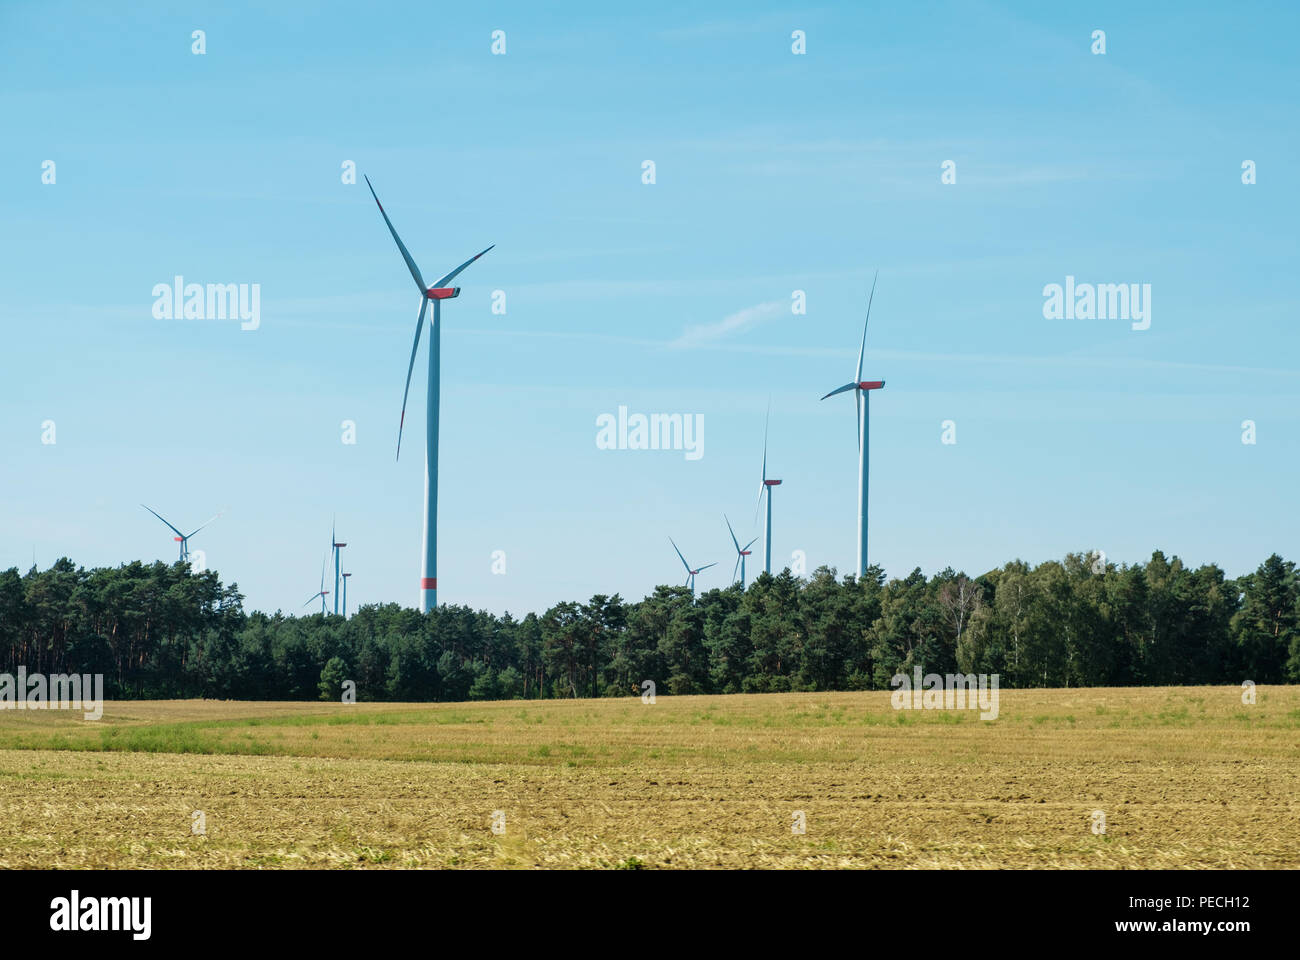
1186 777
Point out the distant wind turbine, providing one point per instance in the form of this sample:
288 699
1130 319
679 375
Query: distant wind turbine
345 595
322 593
337 548
183 538
767 488
862 394
437 293
690 574
741 554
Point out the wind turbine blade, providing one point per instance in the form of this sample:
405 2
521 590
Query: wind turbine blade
314 598
763 486
410 367
736 568
178 533
751 543
733 533
204 524
680 557
863 349
847 386
406 254
455 273
766 422
706 566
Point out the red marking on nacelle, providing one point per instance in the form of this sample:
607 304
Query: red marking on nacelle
443 293
746 553
178 539
428 583
772 483
872 385
340 544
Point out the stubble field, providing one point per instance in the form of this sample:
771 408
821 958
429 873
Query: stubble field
1186 777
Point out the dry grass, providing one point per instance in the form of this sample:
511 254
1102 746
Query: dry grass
1187 777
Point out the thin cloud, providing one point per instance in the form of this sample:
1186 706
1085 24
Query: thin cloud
734 323
1053 361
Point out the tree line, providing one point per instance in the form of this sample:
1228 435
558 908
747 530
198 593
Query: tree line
168 631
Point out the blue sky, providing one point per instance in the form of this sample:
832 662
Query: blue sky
774 173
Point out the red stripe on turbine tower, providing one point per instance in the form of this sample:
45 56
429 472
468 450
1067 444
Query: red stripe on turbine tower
429 583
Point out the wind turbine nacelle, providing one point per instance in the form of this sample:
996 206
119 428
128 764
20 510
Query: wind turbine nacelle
871 385
179 539
771 483
443 293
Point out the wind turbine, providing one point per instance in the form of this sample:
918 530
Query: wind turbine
345 595
322 593
337 548
767 487
183 538
437 293
862 394
741 554
690 574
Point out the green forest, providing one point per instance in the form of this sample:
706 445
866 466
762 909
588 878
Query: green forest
164 631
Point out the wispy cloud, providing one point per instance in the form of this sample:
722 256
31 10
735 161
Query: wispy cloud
919 357
741 320
776 22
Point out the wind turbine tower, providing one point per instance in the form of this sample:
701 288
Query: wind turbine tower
182 538
337 548
741 554
690 574
862 394
436 293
